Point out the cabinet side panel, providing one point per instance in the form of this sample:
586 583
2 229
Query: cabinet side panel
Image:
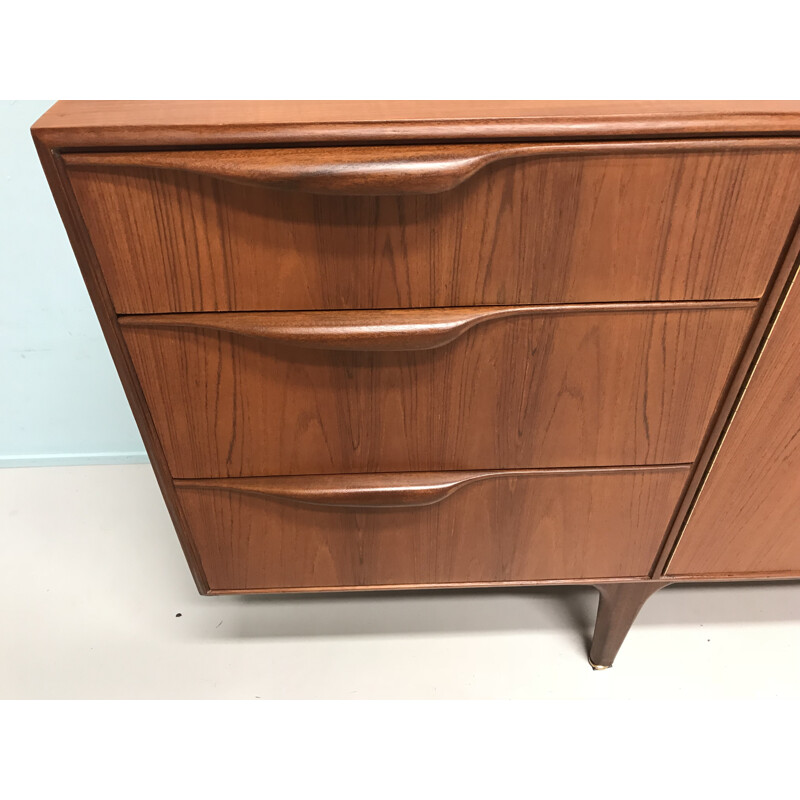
103 306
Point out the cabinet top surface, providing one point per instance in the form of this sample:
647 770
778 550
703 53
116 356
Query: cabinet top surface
85 124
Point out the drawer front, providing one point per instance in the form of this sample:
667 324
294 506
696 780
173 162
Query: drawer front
428 529
322 392
360 228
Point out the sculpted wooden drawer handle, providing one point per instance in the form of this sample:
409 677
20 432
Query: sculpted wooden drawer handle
385 490
414 169
395 329
394 490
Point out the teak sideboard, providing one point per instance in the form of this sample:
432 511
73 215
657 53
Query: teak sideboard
385 345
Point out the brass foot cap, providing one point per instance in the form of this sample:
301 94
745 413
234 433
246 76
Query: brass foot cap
598 666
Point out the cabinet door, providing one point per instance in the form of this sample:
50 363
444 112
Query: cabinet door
747 517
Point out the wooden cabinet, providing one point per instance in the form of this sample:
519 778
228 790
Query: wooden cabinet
451 344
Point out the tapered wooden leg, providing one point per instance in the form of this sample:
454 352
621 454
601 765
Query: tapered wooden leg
619 605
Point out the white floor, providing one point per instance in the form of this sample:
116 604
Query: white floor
96 602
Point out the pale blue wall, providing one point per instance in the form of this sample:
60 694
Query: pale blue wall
61 401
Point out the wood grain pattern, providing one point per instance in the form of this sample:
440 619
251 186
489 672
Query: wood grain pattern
131 123
520 528
747 516
540 390
672 226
